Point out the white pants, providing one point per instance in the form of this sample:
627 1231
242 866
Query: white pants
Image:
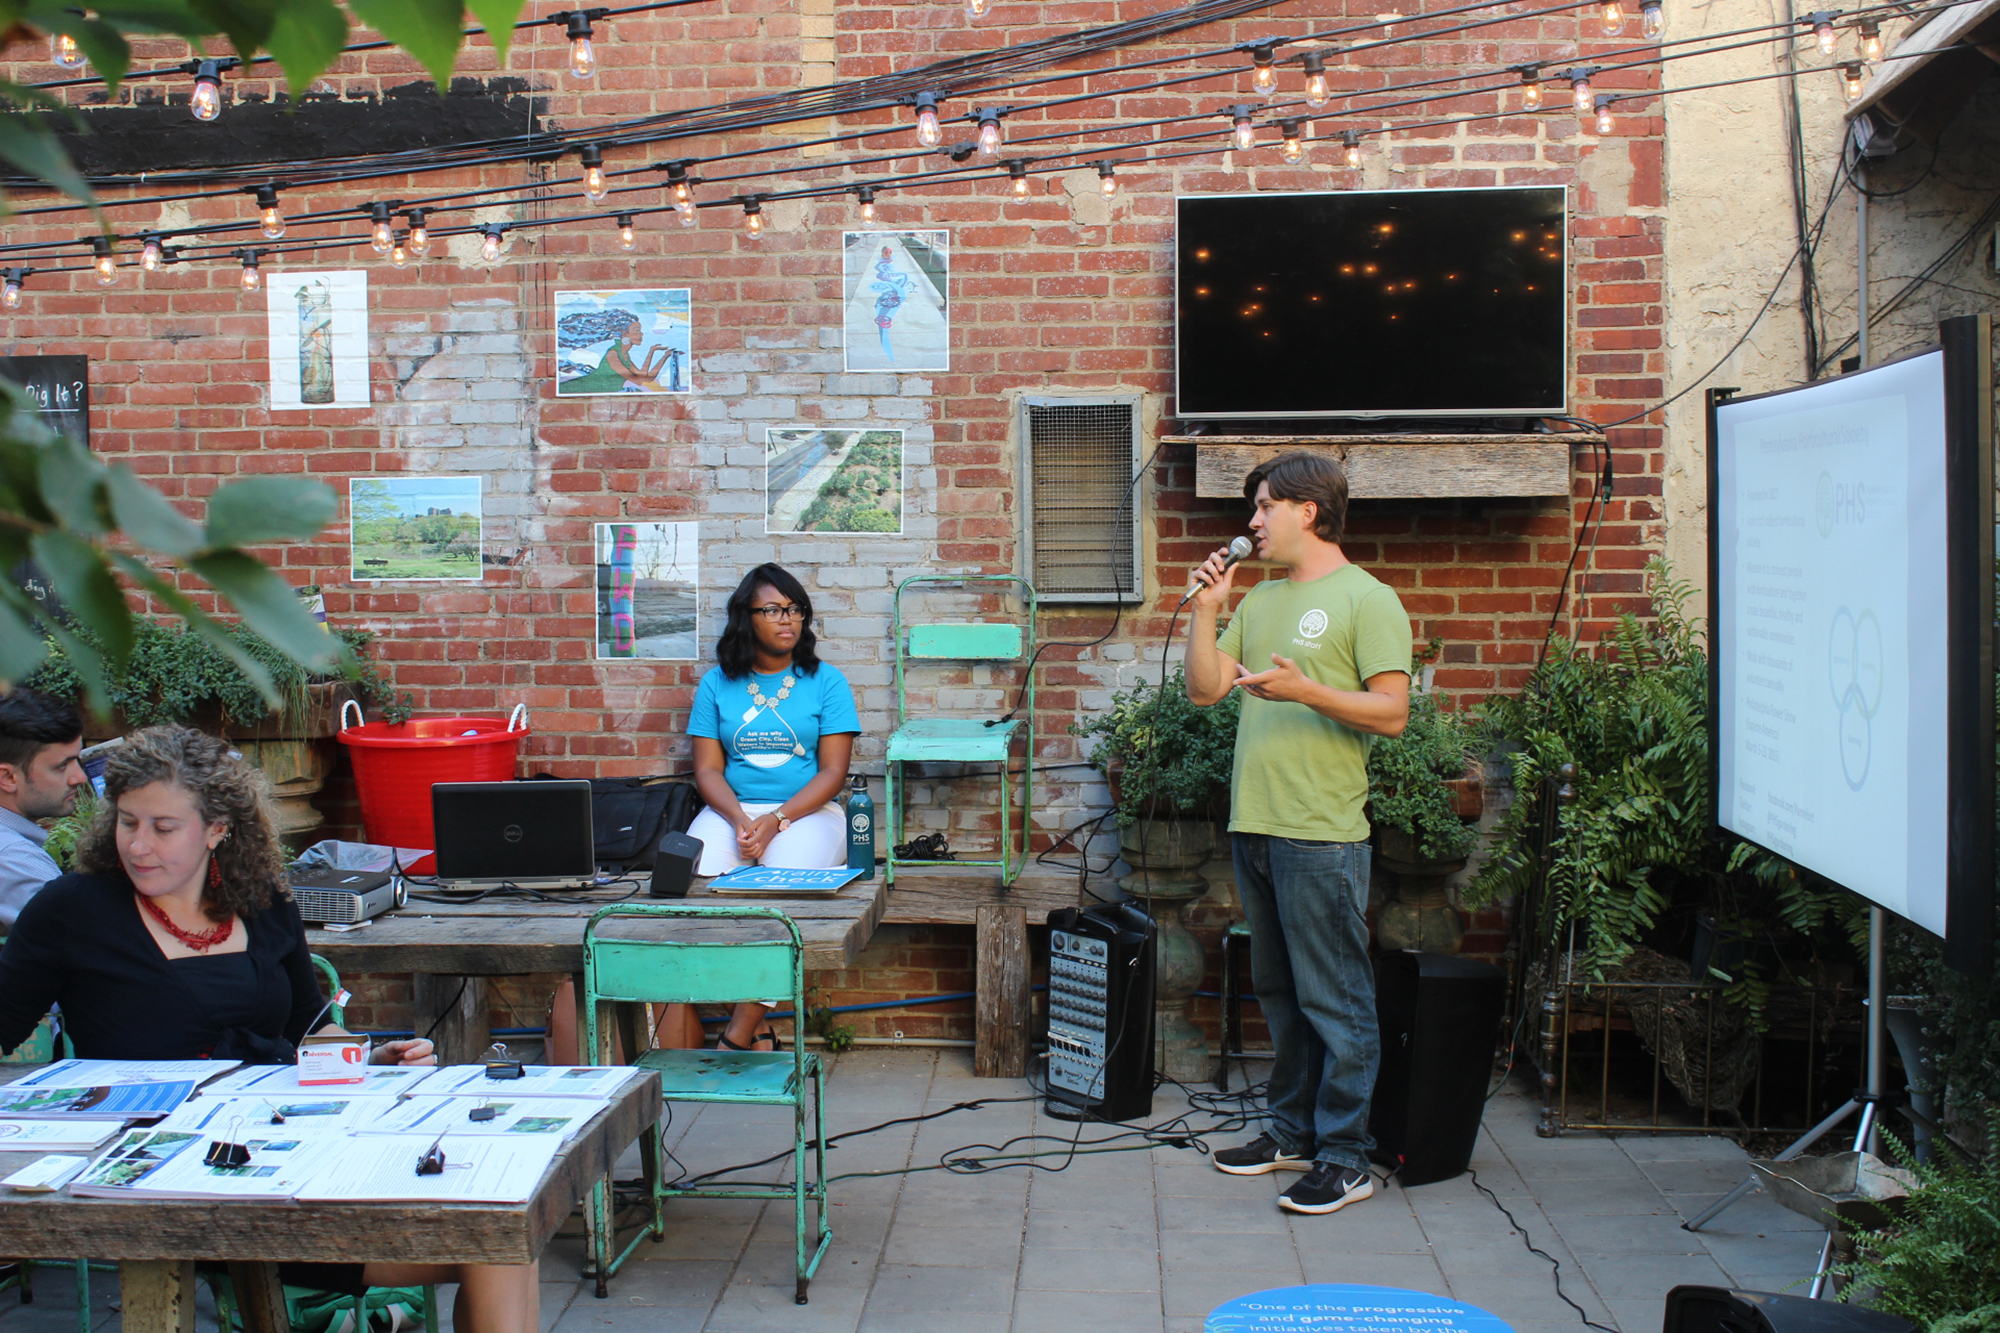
817 841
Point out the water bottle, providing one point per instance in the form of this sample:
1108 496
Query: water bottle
860 829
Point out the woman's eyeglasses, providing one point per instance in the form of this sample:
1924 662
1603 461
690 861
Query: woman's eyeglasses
778 612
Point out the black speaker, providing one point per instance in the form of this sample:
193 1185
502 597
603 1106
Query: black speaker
1100 1012
673 865
1721 1310
1440 1021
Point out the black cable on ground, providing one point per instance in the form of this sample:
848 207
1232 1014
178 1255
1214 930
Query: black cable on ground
1555 1264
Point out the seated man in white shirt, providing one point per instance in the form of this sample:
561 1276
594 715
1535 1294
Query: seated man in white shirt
40 738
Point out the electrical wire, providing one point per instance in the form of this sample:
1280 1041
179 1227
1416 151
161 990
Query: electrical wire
1555 1264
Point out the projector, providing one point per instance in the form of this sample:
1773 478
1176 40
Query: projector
344 897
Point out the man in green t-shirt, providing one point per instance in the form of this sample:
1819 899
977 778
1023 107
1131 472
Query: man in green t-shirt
1324 656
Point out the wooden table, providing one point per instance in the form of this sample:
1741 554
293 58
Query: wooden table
157 1241
450 949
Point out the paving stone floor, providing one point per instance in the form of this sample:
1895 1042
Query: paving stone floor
1145 1242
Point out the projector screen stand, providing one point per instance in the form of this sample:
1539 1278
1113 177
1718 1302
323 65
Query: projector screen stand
1866 1139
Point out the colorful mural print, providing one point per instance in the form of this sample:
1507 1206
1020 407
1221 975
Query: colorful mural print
648 591
895 314
408 528
623 342
318 328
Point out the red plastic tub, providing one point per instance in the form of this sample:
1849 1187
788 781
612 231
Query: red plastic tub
395 764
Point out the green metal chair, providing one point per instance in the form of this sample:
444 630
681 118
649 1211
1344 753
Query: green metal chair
707 956
965 739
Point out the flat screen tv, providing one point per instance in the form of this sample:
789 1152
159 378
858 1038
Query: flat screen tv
1374 303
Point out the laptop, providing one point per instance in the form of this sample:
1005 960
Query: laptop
536 835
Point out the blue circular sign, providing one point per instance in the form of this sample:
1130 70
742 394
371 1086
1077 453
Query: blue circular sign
1345 1307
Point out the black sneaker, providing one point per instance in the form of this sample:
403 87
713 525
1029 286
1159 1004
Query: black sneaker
1260 1157
1327 1188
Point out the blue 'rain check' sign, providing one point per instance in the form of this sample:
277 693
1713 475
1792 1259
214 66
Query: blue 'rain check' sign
1342 1307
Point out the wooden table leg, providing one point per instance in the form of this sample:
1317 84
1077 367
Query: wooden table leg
456 1008
157 1295
260 1297
1000 1047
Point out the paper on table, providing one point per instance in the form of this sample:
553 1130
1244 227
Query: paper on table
478 1169
46 1175
283 1081
131 1101
304 1114
594 1081
278 1165
99 1073
561 1117
139 1154
53 1135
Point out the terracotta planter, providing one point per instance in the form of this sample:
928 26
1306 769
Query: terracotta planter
1468 793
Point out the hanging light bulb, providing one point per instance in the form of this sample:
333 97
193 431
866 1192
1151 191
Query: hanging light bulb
252 279
989 133
1871 40
420 232
1244 130
1264 75
1652 18
1531 86
151 254
65 52
106 263
1823 31
206 103
1017 171
1613 15
1107 178
381 233
682 191
593 173
399 253
1317 93
929 133
1580 95
1604 101
10 294
269 217
753 218
582 59
1851 79
1291 147
627 238
1352 147
489 248
976 9
866 194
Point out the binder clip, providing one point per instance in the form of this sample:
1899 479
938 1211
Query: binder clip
277 1114
432 1162
224 1153
481 1114
498 1065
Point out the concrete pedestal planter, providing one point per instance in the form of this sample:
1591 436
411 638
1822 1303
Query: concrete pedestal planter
1166 857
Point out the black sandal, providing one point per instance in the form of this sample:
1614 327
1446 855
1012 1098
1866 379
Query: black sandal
756 1042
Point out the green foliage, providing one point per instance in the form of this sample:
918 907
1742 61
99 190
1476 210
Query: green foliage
1407 773
1170 755
1938 1263
864 494
64 832
1633 719
820 1023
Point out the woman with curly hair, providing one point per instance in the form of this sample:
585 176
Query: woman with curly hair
178 939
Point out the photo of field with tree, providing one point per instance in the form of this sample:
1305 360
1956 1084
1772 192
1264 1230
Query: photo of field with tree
833 481
415 528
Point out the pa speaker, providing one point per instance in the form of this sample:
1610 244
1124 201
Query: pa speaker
1440 1021
673 865
1721 1310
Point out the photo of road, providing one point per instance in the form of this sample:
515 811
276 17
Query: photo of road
833 481
648 582
895 313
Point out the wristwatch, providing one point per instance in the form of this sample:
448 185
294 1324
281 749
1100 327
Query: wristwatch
783 823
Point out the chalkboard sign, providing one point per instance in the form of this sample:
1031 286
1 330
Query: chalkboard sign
60 386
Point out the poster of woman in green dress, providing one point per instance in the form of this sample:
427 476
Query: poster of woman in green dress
318 326
622 342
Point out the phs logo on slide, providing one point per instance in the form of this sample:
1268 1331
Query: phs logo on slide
1837 503
1311 625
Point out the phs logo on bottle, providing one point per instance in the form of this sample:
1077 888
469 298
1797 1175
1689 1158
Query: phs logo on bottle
859 823
1311 625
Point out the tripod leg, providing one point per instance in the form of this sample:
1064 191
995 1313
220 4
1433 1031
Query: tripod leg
1820 1275
1799 1145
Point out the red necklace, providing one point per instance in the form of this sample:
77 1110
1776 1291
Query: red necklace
201 941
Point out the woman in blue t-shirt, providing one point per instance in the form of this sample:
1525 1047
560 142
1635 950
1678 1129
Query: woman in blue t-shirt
773 729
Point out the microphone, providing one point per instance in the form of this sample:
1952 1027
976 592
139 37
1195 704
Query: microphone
1239 549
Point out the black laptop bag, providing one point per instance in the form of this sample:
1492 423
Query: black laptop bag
628 815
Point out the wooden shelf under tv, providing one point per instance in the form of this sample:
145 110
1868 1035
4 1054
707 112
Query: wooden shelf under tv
1401 467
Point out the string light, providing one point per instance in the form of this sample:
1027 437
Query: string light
1871 40
10 293
1851 77
1352 149
1264 77
1580 95
65 52
866 194
753 218
582 57
627 238
989 132
399 254
1244 130
1531 86
381 233
1604 101
1652 18
251 277
593 173
489 248
1613 15
151 254
106 263
1017 171
420 232
1107 178
269 217
1317 93
206 103
683 192
929 133
976 9
1822 21
1291 148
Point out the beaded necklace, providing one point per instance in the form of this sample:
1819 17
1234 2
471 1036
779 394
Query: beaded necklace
201 941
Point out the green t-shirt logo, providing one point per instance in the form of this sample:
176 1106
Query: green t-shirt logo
1312 624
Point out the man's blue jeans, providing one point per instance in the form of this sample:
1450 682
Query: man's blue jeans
1305 903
